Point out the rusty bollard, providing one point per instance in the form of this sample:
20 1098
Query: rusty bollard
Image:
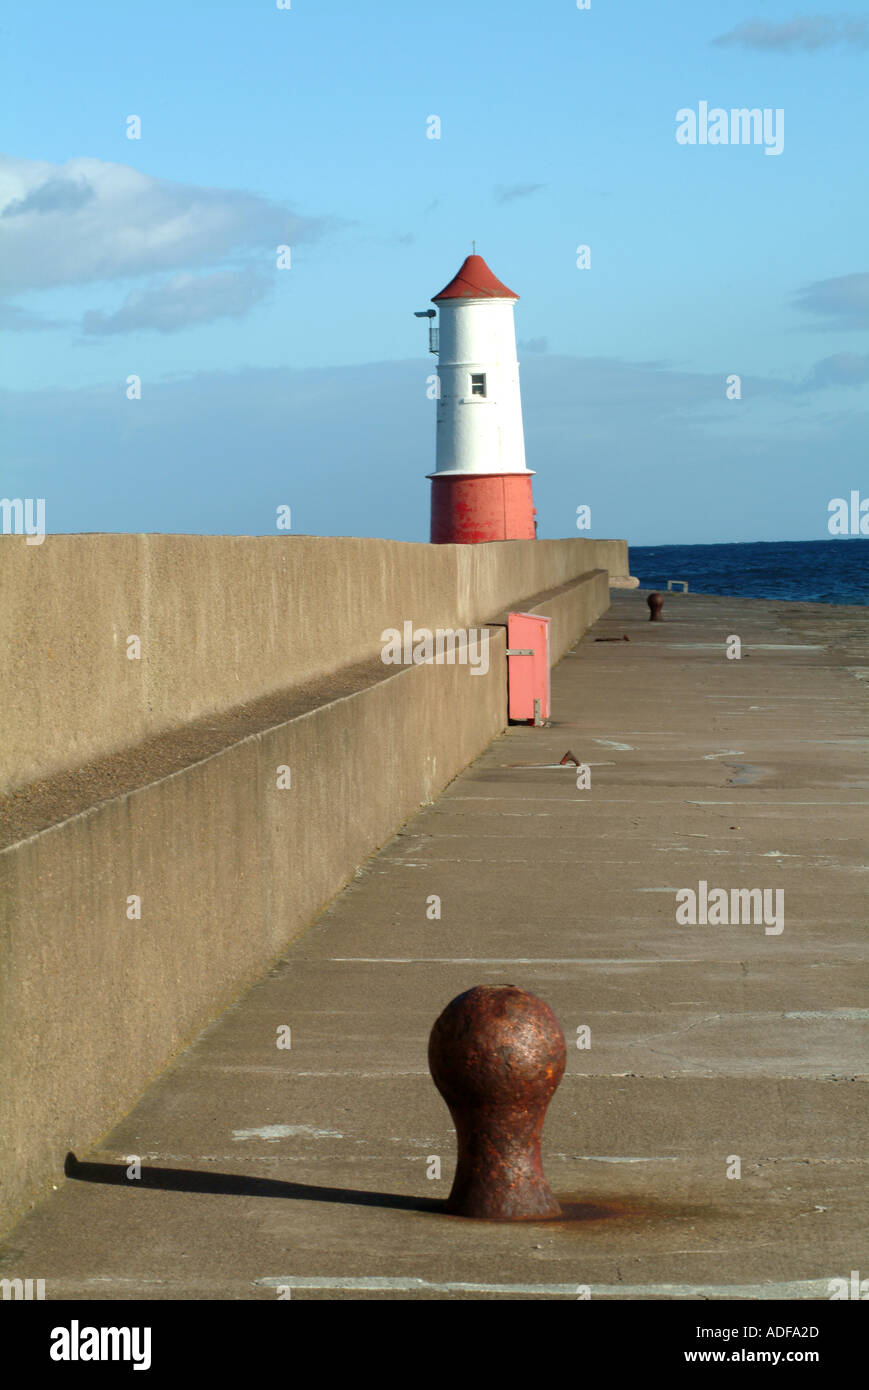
656 603
496 1055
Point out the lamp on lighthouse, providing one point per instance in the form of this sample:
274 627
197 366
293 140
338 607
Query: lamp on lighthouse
481 486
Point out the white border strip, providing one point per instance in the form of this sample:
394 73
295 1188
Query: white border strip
793 1289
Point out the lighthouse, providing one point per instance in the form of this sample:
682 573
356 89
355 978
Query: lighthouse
481 486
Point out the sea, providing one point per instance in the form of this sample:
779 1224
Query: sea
826 571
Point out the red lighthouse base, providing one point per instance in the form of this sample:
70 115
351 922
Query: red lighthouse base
469 508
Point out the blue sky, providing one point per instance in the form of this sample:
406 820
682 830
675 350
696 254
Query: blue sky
307 386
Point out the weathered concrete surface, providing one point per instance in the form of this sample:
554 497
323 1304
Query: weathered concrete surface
222 620
228 865
572 609
307 1168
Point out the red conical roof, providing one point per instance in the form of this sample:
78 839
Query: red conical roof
474 281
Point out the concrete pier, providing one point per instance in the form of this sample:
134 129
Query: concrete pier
709 1142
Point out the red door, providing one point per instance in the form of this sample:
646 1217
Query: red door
528 675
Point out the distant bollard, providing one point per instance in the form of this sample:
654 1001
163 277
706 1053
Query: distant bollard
656 603
496 1055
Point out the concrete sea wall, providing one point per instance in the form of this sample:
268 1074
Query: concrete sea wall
221 620
160 848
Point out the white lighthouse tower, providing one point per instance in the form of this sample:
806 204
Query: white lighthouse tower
481 487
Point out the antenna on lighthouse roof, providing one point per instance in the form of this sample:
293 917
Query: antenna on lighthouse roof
473 248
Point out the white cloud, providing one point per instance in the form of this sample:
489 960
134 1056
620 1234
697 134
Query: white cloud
842 369
806 32
844 300
88 221
16 320
181 302
516 190
54 195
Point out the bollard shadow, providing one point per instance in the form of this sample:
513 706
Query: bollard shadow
240 1185
577 1210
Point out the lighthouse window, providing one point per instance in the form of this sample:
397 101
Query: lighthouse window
478 384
